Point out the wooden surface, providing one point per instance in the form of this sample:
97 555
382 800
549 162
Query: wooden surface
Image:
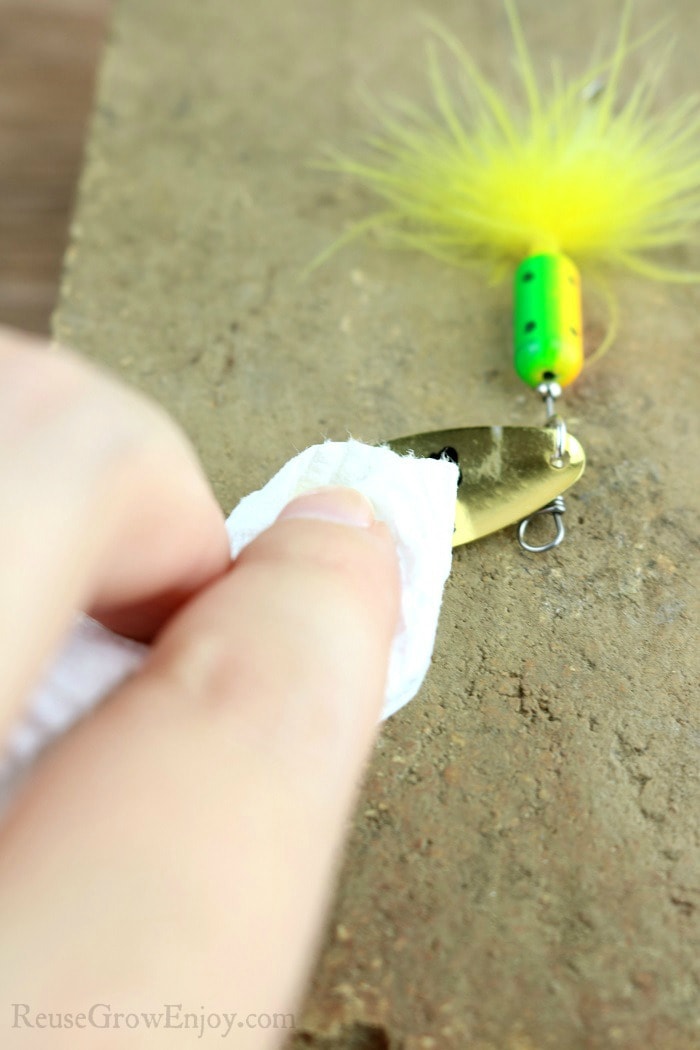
49 50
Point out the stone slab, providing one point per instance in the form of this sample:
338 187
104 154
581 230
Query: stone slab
524 867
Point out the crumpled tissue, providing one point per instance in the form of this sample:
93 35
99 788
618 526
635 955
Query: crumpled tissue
414 497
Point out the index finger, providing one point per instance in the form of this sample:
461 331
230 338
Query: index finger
105 507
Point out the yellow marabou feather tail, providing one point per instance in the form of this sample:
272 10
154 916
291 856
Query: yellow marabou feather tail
604 180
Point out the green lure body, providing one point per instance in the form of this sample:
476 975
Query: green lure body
548 320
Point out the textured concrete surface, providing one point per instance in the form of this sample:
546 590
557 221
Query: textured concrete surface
524 869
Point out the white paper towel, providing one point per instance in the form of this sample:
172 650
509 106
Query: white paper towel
416 499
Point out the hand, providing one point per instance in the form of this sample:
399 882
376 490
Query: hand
178 845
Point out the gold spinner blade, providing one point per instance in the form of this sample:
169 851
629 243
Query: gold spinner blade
508 473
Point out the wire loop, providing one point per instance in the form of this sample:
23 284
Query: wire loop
557 509
549 392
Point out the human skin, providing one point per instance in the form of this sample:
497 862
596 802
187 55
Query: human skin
179 844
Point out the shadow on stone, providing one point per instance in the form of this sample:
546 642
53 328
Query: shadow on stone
353 1037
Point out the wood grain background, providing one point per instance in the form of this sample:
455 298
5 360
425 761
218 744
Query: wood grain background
49 50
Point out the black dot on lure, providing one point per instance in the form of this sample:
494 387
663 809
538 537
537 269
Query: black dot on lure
451 455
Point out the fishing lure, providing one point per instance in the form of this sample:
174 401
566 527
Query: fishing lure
572 174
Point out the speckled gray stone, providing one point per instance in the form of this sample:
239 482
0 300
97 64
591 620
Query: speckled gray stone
524 870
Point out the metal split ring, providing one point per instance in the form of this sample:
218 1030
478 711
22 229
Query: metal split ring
560 456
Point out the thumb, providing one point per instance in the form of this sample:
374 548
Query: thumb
242 740
293 644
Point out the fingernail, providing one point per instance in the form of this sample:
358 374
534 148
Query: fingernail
340 505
